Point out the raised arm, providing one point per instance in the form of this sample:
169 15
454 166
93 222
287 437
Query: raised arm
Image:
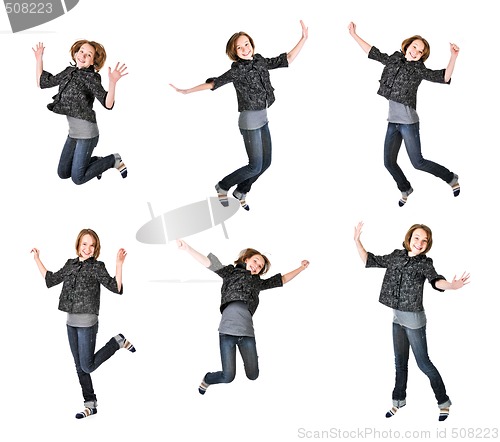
290 275
38 51
455 284
200 87
114 76
202 259
363 44
454 49
363 254
298 47
120 258
41 267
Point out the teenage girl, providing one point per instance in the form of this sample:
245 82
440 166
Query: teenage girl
79 85
80 299
403 72
403 290
249 74
241 285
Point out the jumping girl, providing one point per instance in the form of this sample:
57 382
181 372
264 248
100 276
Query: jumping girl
80 298
403 290
403 72
241 285
79 85
249 74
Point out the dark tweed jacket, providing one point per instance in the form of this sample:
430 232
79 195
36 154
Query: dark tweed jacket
251 80
77 90
403 285
401 78
238 284
81 291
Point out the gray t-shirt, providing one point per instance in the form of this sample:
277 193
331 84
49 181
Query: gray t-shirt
81 319
251 120
236 320
82 129
413 320
401 114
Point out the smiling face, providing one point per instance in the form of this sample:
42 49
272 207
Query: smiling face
84 57
415 50
244 48
255 264
419 242
87 247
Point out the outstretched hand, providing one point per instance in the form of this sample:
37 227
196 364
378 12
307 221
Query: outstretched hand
305 30
352 28
36 253
304 264
120 256
460 282
181 91
38 50
182 245
358 230
117 73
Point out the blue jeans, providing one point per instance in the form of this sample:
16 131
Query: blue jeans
77 162
82 342
410 133
403 339
259 151
248 351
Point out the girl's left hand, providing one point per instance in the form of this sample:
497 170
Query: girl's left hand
460 282
117 73
120 256
304 264
454 49
305 30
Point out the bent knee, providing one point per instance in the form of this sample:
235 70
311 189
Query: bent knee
253 376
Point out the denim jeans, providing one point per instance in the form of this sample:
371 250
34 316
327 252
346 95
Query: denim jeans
259 151
77 162
410 133
248 351
403 339
82 342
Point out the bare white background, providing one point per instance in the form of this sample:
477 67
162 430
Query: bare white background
324 341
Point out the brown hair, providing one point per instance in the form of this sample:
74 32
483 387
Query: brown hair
100 53
427 230
97 242
427 48
248 253
231 45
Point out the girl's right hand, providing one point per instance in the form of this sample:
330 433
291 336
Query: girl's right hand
352 28
181 91
38 50
181 244
357 231
36 253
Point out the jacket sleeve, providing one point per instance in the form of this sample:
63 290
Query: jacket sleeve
225 78
52 279
376 55
281 61
272 282
431 275
436 76
95 86
48 80
103 277
380 261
